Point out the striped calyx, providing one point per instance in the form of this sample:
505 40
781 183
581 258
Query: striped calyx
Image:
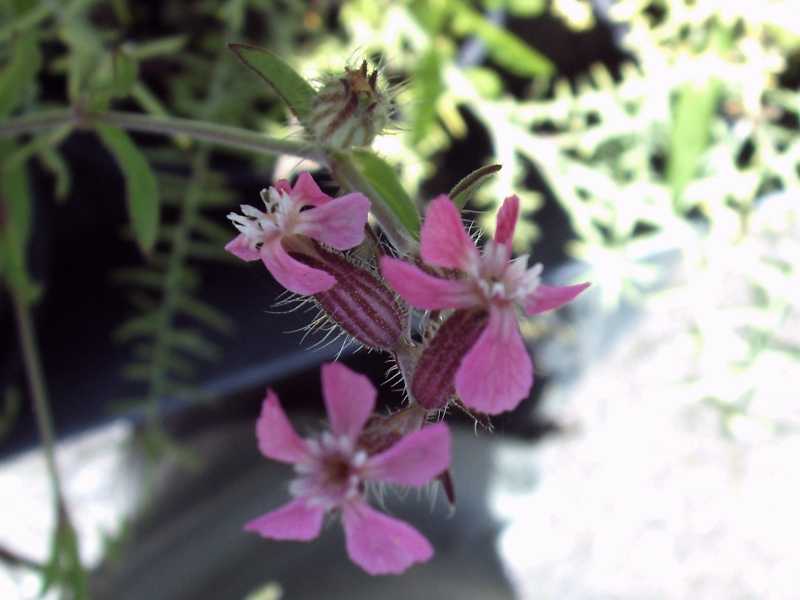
360 302
432 385
349 110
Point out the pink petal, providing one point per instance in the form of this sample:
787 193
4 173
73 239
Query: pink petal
548 297
307 192
291 273
426 291
380 544
507 221
496 374
349 399
283 186
416 459
239 247
277 439
339 223
444 242
293 521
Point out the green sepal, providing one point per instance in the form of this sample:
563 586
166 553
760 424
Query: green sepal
464 189
287 83
383 180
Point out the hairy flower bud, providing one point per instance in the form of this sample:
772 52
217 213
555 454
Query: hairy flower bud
432 385
350 110
360 302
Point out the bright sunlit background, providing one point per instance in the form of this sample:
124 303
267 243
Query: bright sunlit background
655 147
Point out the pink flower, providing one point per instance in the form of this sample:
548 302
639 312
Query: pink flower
333 470
495 373
285 228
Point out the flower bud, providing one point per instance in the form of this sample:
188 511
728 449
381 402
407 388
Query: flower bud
432 385
350 110
360 302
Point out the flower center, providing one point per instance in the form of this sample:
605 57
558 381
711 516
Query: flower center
500 279
331 476
259 226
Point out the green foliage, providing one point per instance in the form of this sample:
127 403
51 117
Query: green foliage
381 177
140 184
293 89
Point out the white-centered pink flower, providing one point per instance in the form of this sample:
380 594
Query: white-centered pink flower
496 372
332 473
292 216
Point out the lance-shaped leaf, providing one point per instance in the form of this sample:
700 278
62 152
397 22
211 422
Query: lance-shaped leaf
465 188
20 72
386 188
140 184
290 86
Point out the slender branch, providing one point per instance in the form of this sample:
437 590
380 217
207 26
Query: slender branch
14 559
222 135
41 408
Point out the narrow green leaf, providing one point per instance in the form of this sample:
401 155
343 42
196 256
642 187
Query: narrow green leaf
20 72
11 405
15 225
382 177
290 86
428 86
44 140
143 325
505 48
165 46
192 342
464 189
55 163
692 117
205 313
140 185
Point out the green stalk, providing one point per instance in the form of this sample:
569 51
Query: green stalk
221 135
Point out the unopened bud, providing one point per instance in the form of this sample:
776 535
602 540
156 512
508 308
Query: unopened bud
360 302
432 384
350 110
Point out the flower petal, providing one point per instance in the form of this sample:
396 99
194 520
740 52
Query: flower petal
292 274
443 240
296 521
349 399
380 544
507 221
339 223
240 248
277 439
548 297
307 192
416 459
496 374
426 291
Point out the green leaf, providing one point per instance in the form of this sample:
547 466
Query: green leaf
205 313
428 86
119 83
165 46
15 225
20 72
692 118
465 188
382 177
55 163
11 405
140 185
505 48
291 87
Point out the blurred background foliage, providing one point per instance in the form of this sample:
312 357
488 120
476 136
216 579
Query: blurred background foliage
671 163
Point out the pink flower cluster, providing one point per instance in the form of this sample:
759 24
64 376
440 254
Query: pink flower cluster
475 354
333 470
496 373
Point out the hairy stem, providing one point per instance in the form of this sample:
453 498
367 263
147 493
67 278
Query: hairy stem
221 135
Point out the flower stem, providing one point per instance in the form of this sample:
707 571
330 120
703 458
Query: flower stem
41 408
222 135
